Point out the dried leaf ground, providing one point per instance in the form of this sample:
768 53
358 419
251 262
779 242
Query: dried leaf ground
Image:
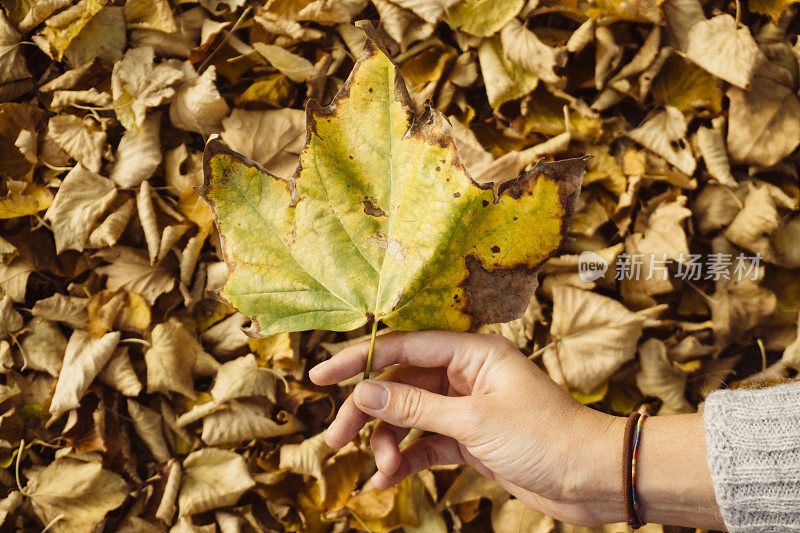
129 401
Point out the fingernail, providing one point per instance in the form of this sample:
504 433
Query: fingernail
371 394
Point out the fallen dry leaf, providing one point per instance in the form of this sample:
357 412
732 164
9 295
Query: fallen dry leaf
592 337
84 357
665 134
80 201
80 492
212 478
763 124
278 152
660 377
172 354
723 49
138 84
138 153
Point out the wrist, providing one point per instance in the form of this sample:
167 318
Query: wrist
594 478
674 485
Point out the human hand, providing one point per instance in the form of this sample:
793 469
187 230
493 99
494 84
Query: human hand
489 406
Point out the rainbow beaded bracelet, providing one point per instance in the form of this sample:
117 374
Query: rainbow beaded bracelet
630 452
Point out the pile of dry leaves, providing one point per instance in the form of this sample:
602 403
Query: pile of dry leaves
132 402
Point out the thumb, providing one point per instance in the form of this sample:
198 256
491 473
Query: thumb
411 407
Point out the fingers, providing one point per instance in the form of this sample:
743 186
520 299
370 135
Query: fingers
385 442
350 419
422 348
421 454
348 422
412 407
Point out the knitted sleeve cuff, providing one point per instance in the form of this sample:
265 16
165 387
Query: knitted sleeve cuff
753 442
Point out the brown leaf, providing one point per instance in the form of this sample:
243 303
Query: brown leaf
139 153
130 269
428 10
660 377
240 420
197 105
711 142
307 457
119 373
84 357
138 84
79 202
519 331
59 307
764 122
402 24
150 14
80 492
10 319
183 170
759 217
212 478
515 516
170 358
12 62
272 138
108 232
148 426
592 336
103 38
525 49
82 138
242 377
665 134
43 346
724 50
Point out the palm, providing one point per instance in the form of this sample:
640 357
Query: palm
514 397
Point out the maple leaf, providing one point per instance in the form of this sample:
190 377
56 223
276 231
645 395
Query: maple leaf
381 221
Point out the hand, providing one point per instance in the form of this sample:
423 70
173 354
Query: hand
489 406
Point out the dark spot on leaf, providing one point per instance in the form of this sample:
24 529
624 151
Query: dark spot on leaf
487 292
370 89
350 156
495 249
678 144
438 168
515 218
371 208
484 203
456 195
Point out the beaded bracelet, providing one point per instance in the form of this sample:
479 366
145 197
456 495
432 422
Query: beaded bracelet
635 454
633 433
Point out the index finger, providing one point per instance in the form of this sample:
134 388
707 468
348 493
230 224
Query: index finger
465 352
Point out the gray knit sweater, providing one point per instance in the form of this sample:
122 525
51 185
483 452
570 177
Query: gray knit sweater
753 440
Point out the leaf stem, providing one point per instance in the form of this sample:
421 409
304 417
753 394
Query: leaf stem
371 348
22 490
